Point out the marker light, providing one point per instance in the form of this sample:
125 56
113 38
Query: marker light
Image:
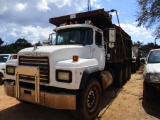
15 56
76 22
75 58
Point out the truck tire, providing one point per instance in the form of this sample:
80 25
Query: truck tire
133 67
125 72
138 64
90 101
147 91
1 81
129 71
119 77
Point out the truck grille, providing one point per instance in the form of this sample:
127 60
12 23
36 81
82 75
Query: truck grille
41 62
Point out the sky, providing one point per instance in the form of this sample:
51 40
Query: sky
29 19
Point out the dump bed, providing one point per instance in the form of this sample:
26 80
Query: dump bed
99 18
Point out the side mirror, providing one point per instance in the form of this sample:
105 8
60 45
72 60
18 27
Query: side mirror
112 35
51 36
46 42
145 62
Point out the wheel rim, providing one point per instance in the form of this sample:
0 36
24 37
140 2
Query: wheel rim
92 99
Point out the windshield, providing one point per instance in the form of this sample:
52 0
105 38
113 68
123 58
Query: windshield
82 36
154 57
3 58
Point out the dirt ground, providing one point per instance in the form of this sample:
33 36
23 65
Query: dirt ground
117 104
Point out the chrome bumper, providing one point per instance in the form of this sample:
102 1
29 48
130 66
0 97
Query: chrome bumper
53 100
57 101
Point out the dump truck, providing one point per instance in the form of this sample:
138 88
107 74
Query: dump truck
136 55
89 54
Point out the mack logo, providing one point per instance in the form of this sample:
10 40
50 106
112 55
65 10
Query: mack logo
34 54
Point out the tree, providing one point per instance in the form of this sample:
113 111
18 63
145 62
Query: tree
138 43
21 41
149 15
15 47
20 44
1 42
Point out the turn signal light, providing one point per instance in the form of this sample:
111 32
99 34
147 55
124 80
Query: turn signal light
76 22
15 56
75 58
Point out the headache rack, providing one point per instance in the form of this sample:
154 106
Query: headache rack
100 18
35 61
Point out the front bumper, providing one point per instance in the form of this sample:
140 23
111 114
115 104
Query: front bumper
36 94
154 84
52 100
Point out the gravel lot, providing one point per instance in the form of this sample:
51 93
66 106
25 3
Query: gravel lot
117 104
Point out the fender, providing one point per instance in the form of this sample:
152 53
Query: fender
85 76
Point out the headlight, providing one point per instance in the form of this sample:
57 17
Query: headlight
147 76
154 78
10 70
64 76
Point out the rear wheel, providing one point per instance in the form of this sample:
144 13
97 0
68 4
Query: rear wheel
129 71
90 101
125 73
134 67
119 76
138 64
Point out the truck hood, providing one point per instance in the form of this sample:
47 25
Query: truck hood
152 68
58 52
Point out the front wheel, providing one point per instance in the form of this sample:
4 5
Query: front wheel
1 81
147 91
90 101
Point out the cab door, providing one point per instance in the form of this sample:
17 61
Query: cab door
98 49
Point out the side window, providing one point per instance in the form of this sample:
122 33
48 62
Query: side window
98 38
11 57
154 57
